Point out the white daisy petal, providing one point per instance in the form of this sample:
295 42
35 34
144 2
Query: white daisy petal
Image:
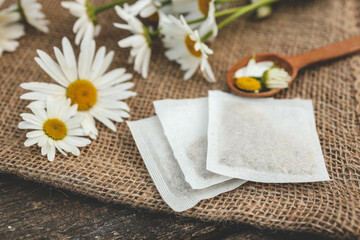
77 141
43 87
112 104
45 149
69 55
59 148
144 8
69 148
105 121
64 65
110 77
145 64
184 45
122 26
190 72
106 64
88 124
31 118
207 71
139 58
27 125
52 69
84 25
36 104
77 132
34 96
10 29
75 121
141 46
30 141
34 134
49 130
98 62
51 153
33 15
122 96
90 88
85 58
43 140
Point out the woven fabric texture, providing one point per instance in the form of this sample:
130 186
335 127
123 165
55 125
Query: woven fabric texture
111 168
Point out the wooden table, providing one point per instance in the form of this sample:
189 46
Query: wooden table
30 210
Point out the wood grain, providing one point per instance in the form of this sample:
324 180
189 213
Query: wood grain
31 210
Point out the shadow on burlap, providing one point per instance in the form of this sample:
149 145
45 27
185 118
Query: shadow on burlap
111 168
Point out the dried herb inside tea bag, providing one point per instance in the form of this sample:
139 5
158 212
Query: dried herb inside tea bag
185 124
164 169
260 140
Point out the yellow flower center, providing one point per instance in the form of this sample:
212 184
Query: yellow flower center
55 129
190 45
248 84
83 93
204 6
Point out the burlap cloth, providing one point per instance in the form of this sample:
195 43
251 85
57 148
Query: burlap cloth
111 168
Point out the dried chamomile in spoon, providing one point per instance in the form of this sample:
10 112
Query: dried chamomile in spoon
261 76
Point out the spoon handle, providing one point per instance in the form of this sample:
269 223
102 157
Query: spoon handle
332 51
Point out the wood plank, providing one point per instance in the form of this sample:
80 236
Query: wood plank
37 211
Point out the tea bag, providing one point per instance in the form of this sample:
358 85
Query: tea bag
185 125
164 169
264 141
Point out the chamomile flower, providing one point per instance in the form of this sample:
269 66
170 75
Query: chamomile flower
31 10
256 74
263 11
9 15
185 47
276 78
197 9
254 69
99 95
210 22
10 29
54 127
86 25
140 41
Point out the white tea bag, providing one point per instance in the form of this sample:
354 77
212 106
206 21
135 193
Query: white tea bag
264 141
164 169
185 124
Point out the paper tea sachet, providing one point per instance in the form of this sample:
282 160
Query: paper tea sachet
272 141
164 169
185 124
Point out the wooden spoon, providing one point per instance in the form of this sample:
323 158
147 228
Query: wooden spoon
293 64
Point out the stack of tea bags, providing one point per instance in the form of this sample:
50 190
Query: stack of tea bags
198 148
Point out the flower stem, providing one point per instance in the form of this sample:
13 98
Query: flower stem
243 10
155 32
227 11
206 36
196 20
238 13
217 14
164 3
225 1
110 5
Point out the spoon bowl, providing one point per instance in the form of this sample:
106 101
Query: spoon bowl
278 59
292 64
